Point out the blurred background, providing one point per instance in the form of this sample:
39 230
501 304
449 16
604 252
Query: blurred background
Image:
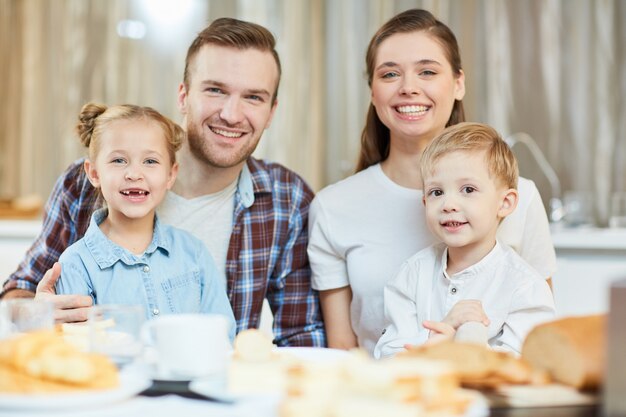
553 69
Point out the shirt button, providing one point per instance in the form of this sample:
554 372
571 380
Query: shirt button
453 290
155 311
146 268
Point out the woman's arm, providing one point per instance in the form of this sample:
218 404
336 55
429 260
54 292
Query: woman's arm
336 311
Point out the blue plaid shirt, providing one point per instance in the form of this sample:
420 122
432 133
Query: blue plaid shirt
266 254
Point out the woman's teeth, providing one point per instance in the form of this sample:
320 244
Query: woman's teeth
412 110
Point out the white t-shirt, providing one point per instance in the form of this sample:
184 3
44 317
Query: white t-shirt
363 228
514 296
208 217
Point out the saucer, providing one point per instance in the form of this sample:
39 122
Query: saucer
169 377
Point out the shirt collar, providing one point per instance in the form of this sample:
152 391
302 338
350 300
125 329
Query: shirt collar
106 253
254 179
475 269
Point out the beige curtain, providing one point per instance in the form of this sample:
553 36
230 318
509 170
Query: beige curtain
58 55
553 69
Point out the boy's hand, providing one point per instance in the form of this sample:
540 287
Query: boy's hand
439 331
464 311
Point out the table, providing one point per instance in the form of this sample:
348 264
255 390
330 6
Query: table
573 411
175 405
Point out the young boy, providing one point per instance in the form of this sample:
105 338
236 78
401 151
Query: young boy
470 177
127 256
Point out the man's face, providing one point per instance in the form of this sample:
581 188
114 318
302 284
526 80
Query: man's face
228 103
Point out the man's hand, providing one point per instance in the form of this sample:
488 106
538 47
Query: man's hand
464 311
67 308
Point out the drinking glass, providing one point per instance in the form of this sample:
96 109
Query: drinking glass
617 216
578 207
24 315
114 330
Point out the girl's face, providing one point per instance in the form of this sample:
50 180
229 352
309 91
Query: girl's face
414 86
132 168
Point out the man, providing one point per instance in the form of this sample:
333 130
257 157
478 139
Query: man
251 214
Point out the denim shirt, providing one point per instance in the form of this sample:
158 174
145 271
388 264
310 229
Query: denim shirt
176 274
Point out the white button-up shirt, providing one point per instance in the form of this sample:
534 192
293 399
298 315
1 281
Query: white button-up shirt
514 296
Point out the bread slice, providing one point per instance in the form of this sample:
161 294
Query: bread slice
572 350
45 362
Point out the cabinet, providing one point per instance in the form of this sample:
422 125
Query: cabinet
588 261
16 236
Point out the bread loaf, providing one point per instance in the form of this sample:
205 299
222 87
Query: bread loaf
478 366
572 350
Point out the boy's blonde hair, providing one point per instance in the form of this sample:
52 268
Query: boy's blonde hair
473 137
94 118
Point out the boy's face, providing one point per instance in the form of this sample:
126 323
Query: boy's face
132 168
464 205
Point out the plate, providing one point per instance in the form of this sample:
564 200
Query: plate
551 395
215 389
131 384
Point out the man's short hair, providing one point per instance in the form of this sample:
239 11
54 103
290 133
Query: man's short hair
234 33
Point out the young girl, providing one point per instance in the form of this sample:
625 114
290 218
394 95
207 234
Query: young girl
127 256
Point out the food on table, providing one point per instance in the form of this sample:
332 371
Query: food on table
79 335
252 345
42 362
256 367
479 366
572 350
361 386
356 385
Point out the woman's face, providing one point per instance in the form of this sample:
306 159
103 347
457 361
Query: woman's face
414 86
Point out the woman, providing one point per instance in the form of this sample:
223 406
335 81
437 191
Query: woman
364 227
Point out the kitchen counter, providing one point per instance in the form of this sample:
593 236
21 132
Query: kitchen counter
589 239
589 260
19 229
16 236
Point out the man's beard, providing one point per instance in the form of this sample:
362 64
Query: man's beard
212 155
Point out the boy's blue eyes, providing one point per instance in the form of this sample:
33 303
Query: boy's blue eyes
467 190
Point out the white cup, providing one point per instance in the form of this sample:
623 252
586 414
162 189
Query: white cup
189 346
